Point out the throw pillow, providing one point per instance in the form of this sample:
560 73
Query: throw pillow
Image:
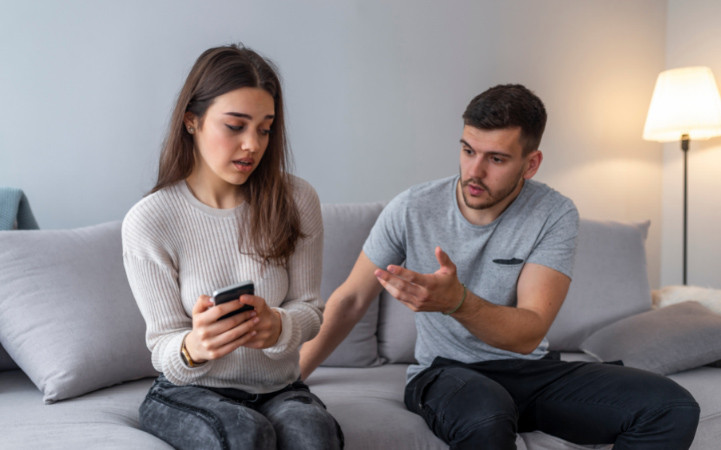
665 341
67 315
345 228
670 295
609 282
396 331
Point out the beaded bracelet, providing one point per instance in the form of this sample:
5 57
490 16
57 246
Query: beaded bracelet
463 299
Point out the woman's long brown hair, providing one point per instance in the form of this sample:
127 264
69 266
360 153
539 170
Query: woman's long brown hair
275 220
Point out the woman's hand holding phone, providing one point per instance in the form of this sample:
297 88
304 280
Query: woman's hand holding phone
218 329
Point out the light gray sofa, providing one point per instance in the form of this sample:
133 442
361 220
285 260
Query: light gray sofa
68 320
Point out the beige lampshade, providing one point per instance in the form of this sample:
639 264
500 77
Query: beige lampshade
685 101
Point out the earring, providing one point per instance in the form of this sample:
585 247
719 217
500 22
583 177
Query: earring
191 130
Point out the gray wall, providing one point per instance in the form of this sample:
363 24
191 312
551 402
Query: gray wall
375 90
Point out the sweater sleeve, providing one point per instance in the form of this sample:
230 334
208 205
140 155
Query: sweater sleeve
302 310
153 278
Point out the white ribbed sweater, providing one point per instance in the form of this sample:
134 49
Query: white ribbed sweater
176 248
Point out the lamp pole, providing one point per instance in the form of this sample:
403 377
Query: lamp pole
684 147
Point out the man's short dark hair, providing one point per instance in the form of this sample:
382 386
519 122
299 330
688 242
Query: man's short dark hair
509 105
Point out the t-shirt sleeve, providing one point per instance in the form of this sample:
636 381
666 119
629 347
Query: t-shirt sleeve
557 246
386 243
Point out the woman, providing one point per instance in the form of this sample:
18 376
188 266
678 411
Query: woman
223 210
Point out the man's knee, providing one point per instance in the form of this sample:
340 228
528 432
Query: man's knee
463 407
673 401
671 415
680 412
497 432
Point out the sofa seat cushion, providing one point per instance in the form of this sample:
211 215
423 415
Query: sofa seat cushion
106 419
367 402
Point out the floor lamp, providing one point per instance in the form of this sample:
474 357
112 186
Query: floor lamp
685 105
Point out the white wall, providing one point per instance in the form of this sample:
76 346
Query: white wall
375 91
693 38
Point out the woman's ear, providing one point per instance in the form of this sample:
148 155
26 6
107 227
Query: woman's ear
533 162
191 122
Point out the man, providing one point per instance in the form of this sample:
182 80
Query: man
487 258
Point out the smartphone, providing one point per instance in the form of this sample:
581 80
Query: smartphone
230 293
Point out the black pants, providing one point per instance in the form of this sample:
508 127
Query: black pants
586 403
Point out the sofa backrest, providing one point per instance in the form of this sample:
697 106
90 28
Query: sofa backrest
609 282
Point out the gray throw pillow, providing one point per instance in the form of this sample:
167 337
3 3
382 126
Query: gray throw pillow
345 228
664 341
609 281
67 315
396 331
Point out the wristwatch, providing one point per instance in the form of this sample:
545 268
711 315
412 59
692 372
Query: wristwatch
185 355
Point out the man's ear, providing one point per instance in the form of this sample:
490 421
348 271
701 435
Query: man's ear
533 162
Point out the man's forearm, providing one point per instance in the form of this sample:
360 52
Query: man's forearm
345 307
340 316
508 328
519 328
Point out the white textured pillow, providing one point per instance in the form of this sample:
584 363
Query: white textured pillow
67 315
670 295
609 282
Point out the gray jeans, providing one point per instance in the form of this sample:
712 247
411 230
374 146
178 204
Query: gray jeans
195 417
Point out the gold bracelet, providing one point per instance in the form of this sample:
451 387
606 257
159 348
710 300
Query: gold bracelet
185 354
463 299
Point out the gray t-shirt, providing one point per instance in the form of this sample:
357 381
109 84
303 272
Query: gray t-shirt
539 227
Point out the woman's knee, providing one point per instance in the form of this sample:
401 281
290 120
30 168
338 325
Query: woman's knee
204 420
301 420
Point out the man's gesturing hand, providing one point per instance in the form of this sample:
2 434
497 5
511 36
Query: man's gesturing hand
439 291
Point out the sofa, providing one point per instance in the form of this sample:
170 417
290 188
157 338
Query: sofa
74 367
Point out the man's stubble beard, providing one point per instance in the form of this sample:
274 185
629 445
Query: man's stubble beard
493 199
